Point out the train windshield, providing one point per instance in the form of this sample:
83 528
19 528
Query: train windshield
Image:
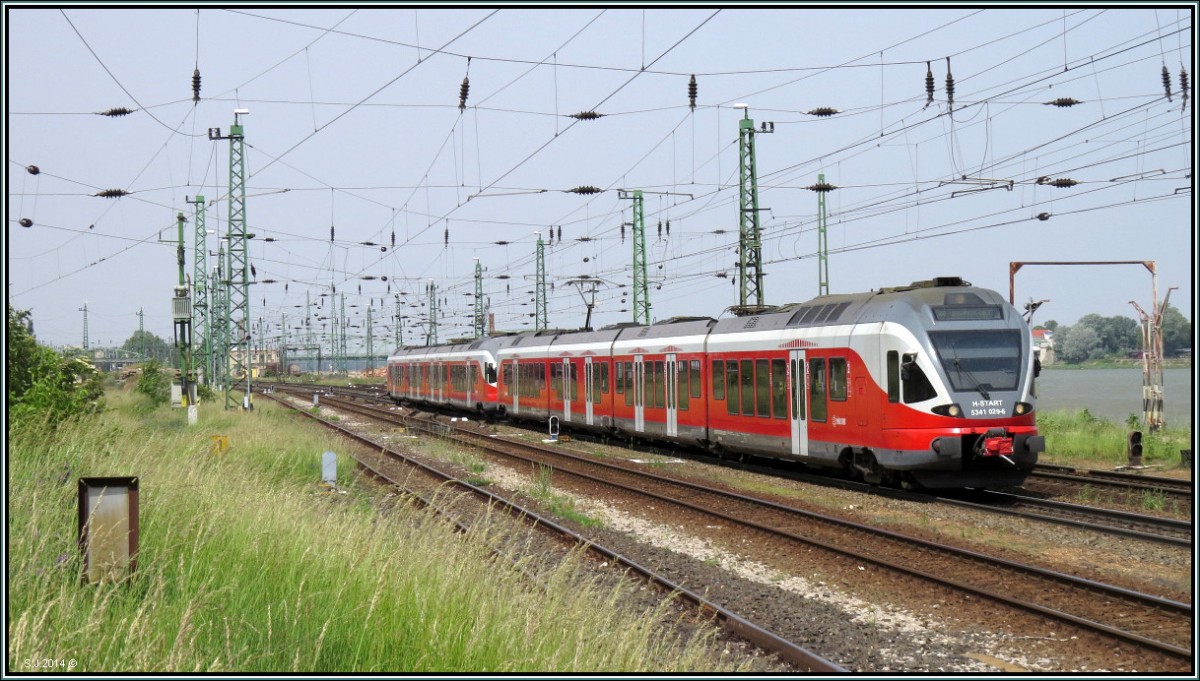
980 361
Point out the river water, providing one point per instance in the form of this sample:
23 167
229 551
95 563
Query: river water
1114 394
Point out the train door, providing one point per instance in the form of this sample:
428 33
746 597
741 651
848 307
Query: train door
568 389
515 388
672 401
639 394
588 381
799 406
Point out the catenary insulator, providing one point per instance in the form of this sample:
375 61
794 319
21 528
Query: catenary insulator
1043 216
692 92
949 85
560 234
585 189
821 187
1064 102
463 91
586 115
1062 182
196 85
33 170
253 272
330 233
660 230
823 111
111 193
622 232
668 228
1166 75
928 84
393 238
1183 85
368 243
446 237
117 112
25 222
501 243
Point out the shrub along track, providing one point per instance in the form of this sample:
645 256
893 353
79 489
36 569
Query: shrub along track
1149 623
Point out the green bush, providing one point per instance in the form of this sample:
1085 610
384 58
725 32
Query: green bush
42 384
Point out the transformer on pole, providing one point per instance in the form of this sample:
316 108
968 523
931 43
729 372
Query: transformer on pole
539 313
750 273
200 312
822 242
238 298
181 312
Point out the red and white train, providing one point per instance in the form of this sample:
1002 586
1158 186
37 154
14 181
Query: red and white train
930 384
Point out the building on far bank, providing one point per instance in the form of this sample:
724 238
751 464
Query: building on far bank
1043 344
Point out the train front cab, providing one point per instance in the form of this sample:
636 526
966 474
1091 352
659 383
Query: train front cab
959 396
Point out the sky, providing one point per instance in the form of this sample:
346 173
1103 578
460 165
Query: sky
363 160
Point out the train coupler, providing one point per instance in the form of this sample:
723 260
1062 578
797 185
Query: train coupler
997 443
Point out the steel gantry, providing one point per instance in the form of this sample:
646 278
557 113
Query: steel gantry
237 330
200 313
750 273
539 310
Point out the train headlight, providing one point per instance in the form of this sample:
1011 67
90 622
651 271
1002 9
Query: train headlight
1022 408
948 410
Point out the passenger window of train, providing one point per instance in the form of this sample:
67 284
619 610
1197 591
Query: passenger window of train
619 378
917 387
734 394
490 372
718 379
762 393
748 387
681 386
604 378
695 379
798 401
837 379
506 371
779 387
893 376
816 379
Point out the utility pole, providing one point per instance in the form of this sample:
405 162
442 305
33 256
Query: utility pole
399 325
220 317
822 242
479 322
641 287
85 329
201 316
431 335
342 336
750 274
539 310
141 332
370 341
238 298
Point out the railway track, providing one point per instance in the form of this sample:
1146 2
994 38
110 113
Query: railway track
793 653
1148 622
1115 480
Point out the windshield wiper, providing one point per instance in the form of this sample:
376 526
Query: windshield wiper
971 377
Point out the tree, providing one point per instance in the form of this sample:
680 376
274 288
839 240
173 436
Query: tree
43 383
1078 343
1118 335
152 347
1176 331
1051 326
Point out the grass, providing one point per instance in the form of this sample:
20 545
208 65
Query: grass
244 567
1080 438
558 504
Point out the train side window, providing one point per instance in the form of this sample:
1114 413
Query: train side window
762 392
660 385
574 382
604 378
917 387
695 380
893 376
619 378
798 402
682 391
779 387
816 385
734 394
748 387
837 379
718 379
506 376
